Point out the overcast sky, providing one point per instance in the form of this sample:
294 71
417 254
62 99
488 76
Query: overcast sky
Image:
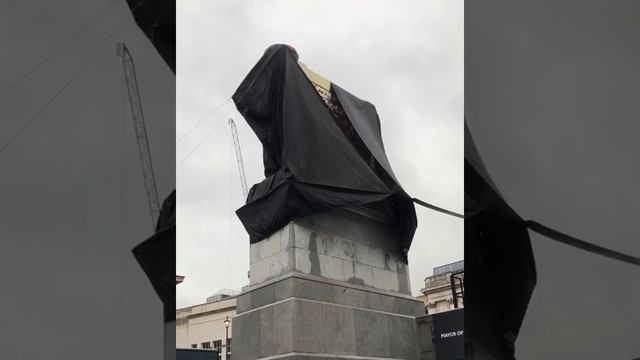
404 57
71 287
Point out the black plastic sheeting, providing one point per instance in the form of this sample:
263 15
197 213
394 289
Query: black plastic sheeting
157 19
500 272
316 157
157 257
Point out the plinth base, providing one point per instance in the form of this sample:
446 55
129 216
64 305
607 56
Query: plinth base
300 316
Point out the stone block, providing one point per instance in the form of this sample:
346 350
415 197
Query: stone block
313 290
279 264
302 260
340 248
349 269
283 289
270 246
286 237
404 282
367 255
364 275
301 236
243 302
381 302
402 336
412 307
338 331
254 252
259 271
331 267
308 320
250 339
372 334
276 327
262 296
350 297
384 279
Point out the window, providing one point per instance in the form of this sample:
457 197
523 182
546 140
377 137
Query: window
194 346
217 345
206 345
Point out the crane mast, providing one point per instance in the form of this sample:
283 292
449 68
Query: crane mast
140 131
236 144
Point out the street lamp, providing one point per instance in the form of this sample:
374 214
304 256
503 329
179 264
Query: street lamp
227 322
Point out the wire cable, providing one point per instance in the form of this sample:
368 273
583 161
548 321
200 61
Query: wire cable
63 88
203 120
201 141
60 48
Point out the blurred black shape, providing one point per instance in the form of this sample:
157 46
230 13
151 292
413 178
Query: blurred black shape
499 265
157 257
157 19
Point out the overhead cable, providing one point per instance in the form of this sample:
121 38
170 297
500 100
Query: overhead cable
60 91
203 119
201 141
60 48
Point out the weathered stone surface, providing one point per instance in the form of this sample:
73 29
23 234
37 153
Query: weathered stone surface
337 245
284 289
380 302
246 340
372 334
333 285
243 302
350 297
308 326
315 316
276 331
262 296
413 307
313 290
402 337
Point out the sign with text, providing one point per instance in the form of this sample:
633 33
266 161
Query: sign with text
448 332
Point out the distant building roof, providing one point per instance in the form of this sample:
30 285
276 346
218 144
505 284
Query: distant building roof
449 268
222 294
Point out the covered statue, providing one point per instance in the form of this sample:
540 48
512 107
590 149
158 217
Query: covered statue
322 150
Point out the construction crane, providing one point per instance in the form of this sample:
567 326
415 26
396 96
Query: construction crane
236 144
140 131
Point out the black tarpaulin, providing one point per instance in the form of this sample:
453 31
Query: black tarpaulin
316 157
500 272
157 19
157 257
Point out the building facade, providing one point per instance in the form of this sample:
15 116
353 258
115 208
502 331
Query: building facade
438 293
203 326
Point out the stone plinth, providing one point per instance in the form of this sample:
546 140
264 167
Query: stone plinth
329 286
342 245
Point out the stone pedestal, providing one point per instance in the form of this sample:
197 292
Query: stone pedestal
328 286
